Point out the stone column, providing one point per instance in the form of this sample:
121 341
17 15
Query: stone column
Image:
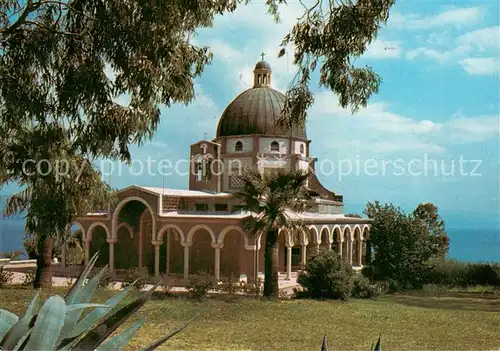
360 253
288 262
217 248
87 251
111 243
157 245
349 251
167 269
186 261
303 256
141 239
339 243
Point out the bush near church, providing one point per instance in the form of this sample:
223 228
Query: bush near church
327 276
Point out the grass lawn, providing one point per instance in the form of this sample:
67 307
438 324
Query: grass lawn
417 321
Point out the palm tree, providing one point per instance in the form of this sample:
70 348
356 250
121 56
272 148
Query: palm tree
273 198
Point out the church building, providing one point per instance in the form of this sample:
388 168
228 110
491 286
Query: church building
179 233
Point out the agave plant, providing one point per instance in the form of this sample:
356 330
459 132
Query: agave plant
377 346
59 325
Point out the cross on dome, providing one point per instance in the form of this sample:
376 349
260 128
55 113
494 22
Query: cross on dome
262 55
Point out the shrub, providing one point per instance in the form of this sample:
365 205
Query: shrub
61 324
199 285
253 289
106 280
452 273
6 277
231 287
362 288
138 275
326 276
29 278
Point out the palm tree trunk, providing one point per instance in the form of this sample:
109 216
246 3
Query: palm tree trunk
43 277
271 288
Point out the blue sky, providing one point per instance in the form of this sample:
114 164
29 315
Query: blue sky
439 100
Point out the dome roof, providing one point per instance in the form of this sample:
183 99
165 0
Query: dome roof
256 111
262 65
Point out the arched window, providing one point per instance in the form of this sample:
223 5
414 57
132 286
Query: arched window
275 146
301 148
238 146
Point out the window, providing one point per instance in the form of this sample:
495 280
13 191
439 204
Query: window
236 181
301 148
221 207
275 146
201 207
238 146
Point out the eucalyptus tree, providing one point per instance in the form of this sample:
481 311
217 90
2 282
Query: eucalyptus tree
274 199
58 101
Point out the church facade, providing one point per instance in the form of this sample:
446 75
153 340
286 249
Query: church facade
179 233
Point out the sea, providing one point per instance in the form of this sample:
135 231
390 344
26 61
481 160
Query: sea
474 245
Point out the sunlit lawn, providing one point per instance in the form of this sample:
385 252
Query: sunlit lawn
452 321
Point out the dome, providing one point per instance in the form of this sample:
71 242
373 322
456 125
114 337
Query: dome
256 111
263 65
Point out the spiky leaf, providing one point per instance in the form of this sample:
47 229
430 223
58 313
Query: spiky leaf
21 327
324 347
118 342
81 296
93 317
161 341
7 320
75 288
378 347
111 323
48 325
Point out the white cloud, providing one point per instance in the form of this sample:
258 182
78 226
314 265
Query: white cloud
437 55
456 17
384 49
483 39
475 129
378 129
481 66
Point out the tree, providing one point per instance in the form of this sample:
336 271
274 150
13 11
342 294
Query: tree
403 247
353 215
428 214
56 93
270 197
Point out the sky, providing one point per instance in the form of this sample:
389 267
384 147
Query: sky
434 123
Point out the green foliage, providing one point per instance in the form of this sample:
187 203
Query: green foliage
329 36
452 273
29 278
106 280
254 289
136 277
428 214
12 255
6 277
327 276
59 325
231 287
362 287
403 247
199 285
